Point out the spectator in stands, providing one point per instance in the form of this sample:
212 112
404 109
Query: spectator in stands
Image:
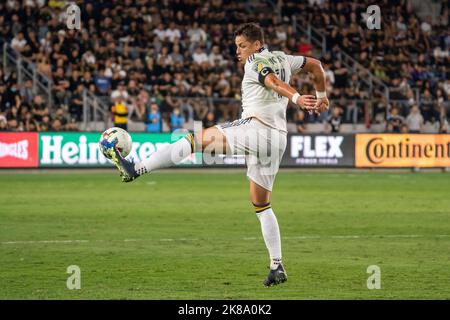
153 119
176 56
199 56
439 101
351 110
172 32
380 109
12 96
3 123
444 126
61 86
304 47
26 92
43 127
46 122
120 93
340 75
196 36
29 123
120 114
404 128
427 107
160 32
103 83
215 57
142 102
59 115
334 122
164 60
72 125
3 106
56 125
300 121
415 120
12 115
176 119
187 110
209 120
395 120
76 103
19 42
39 108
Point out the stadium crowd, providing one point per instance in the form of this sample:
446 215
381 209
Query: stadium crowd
173 61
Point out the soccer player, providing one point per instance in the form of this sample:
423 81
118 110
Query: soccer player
260 134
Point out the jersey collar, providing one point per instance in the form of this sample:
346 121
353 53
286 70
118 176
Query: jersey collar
263 48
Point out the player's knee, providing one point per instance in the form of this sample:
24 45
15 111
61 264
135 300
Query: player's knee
213 140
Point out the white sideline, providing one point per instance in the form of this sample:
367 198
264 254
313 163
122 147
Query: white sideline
245 238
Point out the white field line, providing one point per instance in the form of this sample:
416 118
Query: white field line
312 237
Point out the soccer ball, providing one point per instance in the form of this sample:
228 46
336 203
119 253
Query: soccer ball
111 135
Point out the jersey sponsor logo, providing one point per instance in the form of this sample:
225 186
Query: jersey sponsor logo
260 66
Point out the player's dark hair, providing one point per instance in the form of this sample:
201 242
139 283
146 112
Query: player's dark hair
251 31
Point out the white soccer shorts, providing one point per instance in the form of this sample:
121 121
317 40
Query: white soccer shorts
262 146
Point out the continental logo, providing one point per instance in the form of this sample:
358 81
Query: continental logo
402 150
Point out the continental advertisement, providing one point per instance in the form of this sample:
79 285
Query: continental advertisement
402 150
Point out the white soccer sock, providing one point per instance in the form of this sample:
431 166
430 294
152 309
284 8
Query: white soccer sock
271 233
168 156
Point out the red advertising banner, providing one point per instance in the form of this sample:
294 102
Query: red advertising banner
19 149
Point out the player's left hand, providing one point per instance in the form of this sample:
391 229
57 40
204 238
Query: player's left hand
322 104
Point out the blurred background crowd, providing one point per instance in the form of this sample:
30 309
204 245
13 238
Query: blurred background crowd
168 63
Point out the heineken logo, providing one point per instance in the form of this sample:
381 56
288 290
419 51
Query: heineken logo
83 150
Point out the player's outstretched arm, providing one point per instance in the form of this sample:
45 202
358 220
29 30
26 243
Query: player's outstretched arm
306 102
314 67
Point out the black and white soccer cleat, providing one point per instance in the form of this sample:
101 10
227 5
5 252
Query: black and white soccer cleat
276 276
126 168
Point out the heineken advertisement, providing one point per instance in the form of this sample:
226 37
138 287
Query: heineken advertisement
80 149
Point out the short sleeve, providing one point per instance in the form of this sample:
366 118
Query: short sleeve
296 63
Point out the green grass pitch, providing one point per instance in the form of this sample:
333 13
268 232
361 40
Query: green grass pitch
194 235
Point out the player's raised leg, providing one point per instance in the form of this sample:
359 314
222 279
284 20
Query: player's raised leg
170 155
260 198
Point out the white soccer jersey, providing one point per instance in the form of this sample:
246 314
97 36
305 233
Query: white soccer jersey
261 102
